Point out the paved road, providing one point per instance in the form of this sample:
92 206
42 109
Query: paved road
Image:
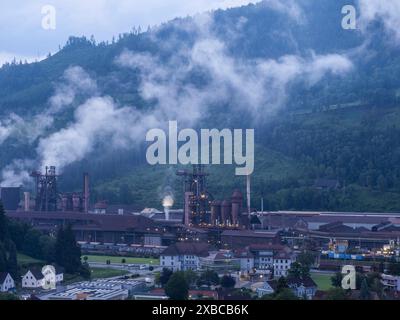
124 267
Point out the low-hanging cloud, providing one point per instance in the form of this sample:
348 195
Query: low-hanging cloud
386 11
257 87
99 121
75 81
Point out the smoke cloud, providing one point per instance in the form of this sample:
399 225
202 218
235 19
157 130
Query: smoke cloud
258 87
99 121
74 82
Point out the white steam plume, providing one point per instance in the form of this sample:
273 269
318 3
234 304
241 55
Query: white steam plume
257 87
74 81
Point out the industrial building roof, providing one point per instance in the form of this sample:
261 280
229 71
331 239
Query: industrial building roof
248 233
103 222
187 248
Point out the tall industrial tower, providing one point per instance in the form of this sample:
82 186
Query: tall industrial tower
46 190
197 198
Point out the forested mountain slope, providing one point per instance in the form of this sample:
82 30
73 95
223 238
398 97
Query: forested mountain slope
324 102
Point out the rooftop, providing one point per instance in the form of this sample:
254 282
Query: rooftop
187 248
3 276
85 221
248 233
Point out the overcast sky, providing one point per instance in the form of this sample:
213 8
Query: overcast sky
22 35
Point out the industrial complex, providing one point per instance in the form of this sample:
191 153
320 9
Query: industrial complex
225 235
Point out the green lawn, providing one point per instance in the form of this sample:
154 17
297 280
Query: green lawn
322 280
24 260
129 260
98 273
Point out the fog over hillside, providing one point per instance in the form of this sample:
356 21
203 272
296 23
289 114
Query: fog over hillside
254 66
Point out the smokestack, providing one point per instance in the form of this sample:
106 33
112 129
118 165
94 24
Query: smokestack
75 202
237 200
226 207
27 201
187 213
166 211
248 187
64 202
86 194
215 212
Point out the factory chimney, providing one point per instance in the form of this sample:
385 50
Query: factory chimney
248 187
27 201
86 194
187 209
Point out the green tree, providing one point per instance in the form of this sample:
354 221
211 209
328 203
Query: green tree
165 276
227 282
298 270
191 277
364 291
125 194
336 294
177 288
3 224
8 296
268 297
12 262
306 258
31 246
382 183
208 278
286 294
47 245
281 285
68 252
337 280
85 271
3 258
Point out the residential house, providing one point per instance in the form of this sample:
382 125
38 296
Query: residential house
391 283
302 287
34 277
6 282
184 256
281 263
269 287
274 257
246 260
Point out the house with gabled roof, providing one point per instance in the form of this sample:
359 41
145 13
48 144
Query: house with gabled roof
6 282
302 287
34 277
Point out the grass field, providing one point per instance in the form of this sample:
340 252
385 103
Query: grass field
322 280
129 260
98 273
24 260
